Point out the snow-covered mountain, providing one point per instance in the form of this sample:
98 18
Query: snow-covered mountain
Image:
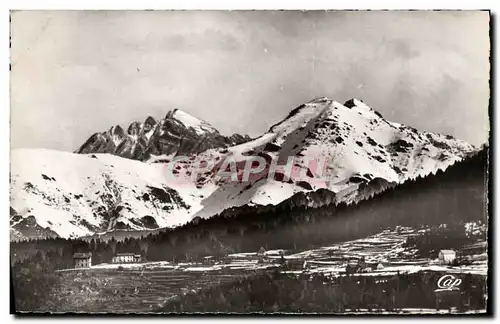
75 195
177 133
360 154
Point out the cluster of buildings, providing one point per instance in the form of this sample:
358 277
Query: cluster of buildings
84 260
126 258
445 257
362 266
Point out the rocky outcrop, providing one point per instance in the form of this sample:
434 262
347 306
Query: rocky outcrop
177 134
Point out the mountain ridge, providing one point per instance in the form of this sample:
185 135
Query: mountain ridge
177 133
98 192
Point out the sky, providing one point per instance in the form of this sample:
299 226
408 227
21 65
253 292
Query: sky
74 73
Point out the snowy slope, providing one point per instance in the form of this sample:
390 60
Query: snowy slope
362 154
200 126
358 154
77 195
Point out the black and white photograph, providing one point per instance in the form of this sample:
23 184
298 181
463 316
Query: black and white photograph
266 162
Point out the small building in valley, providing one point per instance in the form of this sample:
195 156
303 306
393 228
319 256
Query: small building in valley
126 258
261 254
82 260
352 268
356 266
447 256
137 258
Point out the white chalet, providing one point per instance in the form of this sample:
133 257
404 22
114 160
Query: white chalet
447 256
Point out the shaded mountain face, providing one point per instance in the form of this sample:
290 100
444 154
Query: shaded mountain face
343 153
177 134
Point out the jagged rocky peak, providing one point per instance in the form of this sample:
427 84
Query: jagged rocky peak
117 131
189 121
178 133
149 123
134 129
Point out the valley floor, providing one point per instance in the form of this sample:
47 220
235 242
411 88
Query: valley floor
156 286
386 248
